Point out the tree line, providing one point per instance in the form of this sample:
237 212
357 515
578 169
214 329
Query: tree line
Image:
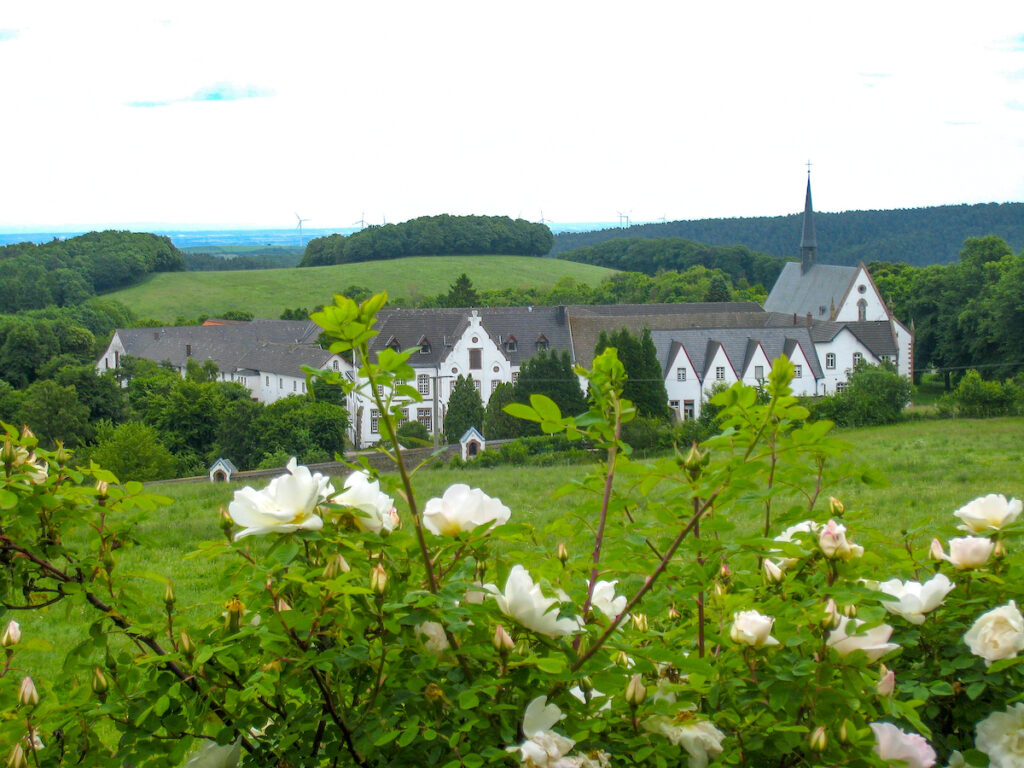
920 236
432 236
965 315
652 256
68 272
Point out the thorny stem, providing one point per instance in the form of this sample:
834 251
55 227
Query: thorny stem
700 593
648 582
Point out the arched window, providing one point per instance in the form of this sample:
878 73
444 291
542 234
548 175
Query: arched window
862 310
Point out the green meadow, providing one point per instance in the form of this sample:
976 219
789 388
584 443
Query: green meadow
267 292
932 467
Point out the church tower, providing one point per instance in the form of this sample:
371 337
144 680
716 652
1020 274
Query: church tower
808 242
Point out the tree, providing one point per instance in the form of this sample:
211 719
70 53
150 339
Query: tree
718 290
132 451
498 425
462 293
465 410
645 385
550 374
54 413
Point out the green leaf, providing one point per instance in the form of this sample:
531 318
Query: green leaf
8 499
468 700
521 411
386 738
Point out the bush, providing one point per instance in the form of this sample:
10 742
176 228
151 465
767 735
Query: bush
413 434
977 398
875 394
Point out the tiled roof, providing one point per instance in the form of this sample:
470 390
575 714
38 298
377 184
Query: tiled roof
739 344
876 335
822 285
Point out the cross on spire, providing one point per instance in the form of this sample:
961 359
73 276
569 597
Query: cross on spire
808 164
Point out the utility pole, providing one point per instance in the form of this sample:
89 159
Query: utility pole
437 427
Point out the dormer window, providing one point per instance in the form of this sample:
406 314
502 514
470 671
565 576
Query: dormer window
393 344
542 342
511 344
424 346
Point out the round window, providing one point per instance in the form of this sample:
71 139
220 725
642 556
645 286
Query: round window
475 340
455 370
862 288
496 369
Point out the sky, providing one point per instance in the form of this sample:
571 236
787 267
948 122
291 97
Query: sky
221 114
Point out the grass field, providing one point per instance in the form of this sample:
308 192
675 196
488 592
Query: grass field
267 292
933 468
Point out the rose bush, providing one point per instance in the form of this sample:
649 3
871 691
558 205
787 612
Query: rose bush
355 630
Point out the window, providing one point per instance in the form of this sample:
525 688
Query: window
857 357
688 409
295 386
424 346
188 350
374 420
303 385
380 390
476 385
830 360
674 405
798 371
515 376
862 310
885 358
759 372
403 417
423 384
720 373
494 384
840 387
268 381
106 362
334 364
680 374
475 363
423 416
542 342
510 344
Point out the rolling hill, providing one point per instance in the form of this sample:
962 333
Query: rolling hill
268 292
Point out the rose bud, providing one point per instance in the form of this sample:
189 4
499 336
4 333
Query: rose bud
887 682
772 573
235 608
835 507
169 597
16 758
635 691
935 551
819 739
335 566
27 693
11 635
378 579
99 682
502 641
563 552
188 645
640 623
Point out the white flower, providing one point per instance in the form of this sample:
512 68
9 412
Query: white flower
1001 737
462 508
605 599
364 494
956 760
914 599
998 634
834 545
543 747
969 552
288 503
808 527
26 461
752 628
988 513
897 747
699 738
874 642
213 755
435 640
11 635
523 601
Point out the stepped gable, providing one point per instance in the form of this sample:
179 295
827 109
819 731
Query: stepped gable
739 343
817 290
876 335
443 327
587 322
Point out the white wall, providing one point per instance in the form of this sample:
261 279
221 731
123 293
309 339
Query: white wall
862 289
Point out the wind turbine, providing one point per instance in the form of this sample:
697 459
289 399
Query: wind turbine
624 216
361 222
300 227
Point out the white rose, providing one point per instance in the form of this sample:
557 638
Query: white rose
998 634
752 628
988 513
806 528
969 552
897 747
1001 737
288 503
834 545
605 599
543 747
523 601
874 642
435 640
700 738
462 508
364 494
914 599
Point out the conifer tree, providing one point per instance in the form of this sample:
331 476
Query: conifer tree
465 410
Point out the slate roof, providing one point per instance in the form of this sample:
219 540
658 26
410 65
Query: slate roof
822 285
740 344
876 335
442 327
273 346
588 322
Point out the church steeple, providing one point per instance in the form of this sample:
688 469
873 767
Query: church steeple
808 242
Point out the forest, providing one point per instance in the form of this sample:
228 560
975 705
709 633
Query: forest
64 273
915 236
432 236
651 256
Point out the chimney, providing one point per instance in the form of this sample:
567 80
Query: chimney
188 350
794 318
560 314
809 319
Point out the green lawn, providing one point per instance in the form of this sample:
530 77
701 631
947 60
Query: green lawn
267 292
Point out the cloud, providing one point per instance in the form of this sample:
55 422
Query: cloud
216 92
8 34
1015 104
